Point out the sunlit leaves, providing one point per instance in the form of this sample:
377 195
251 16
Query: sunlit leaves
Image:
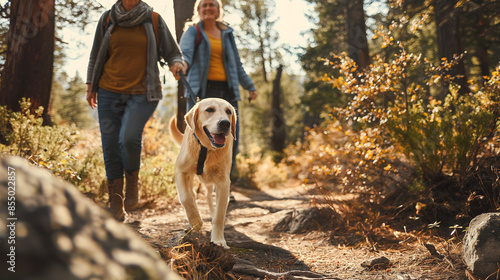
391 111
43 146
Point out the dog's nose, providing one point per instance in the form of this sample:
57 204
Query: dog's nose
224 124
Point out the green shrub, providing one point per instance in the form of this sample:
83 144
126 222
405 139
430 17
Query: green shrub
441 138
158 161
76 155
157 178
44 146
393 124
444 138
259 170
89 166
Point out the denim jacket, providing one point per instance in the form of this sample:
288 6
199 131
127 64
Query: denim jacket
168 50
198 65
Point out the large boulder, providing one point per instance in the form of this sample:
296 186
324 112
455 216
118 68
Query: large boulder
49 230
482 245
306 220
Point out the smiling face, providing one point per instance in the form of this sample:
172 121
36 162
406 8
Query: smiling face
212 120
208 10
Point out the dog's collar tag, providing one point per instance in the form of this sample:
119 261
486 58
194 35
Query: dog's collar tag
201 157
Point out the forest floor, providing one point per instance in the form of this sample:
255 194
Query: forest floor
278 255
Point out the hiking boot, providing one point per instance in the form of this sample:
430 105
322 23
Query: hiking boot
131 190
115 190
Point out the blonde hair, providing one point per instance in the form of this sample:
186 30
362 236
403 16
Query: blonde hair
196 14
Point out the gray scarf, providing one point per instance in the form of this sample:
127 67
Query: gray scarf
133 17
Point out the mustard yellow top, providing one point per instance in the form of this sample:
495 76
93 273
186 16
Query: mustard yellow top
216 71
125 70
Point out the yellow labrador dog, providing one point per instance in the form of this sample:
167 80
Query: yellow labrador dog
211 124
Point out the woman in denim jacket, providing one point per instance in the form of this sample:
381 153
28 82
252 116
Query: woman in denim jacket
212 62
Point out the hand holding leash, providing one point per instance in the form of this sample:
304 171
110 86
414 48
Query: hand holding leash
176 68
252 95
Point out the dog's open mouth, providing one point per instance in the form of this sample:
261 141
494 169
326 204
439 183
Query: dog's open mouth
218 140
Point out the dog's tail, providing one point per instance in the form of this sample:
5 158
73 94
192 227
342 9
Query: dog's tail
174 131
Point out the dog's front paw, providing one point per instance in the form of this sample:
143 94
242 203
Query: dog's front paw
221 243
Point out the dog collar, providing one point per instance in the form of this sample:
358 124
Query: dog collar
201 157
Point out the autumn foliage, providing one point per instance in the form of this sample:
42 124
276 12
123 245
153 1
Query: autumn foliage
398 131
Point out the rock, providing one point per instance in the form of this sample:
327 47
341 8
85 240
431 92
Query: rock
52 231
309 219
284 224
376 263
481 248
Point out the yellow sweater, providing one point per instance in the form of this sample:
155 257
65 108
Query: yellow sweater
216 71
125 70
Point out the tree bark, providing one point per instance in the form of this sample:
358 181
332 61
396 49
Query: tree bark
357 45
482 45
262 47
183 10
278 129
449 42
30 54
262 57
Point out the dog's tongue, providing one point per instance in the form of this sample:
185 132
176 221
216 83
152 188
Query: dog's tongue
219 138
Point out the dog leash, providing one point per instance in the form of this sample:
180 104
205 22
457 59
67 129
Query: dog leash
190 91
203 150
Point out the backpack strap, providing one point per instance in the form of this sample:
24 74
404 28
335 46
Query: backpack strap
198 34
198 38
107 20
154 17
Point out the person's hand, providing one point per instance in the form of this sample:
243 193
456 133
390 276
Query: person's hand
92 99
176 68
252 95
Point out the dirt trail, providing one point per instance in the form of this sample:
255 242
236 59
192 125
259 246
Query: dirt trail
249 232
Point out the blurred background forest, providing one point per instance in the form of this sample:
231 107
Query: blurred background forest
399 106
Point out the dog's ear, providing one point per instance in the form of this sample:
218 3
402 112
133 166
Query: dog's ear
191 117
233 122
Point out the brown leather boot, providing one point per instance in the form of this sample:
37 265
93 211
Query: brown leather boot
115 190
131 190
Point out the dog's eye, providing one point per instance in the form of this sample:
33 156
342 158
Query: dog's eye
210 110
228 111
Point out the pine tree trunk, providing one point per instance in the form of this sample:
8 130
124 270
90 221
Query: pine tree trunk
262 49
183 10
262 57
482 45
30 54
357 44
278 129
449 42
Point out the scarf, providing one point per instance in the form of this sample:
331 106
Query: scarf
133 17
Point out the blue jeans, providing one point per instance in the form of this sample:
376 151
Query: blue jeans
122 118
220 91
